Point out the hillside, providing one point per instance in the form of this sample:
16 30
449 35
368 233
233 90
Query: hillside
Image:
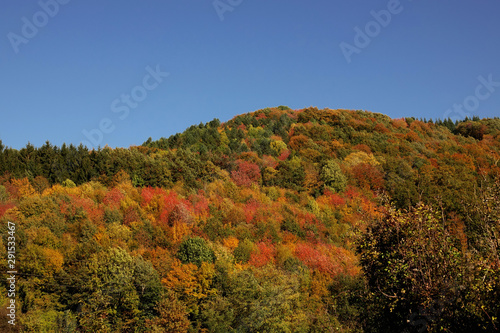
277 220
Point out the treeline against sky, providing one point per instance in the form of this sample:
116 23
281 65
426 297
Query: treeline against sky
276 221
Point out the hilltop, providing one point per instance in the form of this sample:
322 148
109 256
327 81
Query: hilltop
276 220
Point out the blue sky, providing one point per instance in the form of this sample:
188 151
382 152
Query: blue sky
86 68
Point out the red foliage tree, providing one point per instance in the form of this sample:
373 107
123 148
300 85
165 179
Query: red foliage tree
199 203
284 155
333 199
264 254
4 207
314 259
250 209
148 193
246 173
368 176
113 198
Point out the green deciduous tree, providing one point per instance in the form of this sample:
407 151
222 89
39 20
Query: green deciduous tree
119 289
333 177
195 250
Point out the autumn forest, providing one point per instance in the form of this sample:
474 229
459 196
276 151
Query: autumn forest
277 220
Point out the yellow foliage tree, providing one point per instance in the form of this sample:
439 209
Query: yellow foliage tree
24 188
359 157
231 242
190 282
54 260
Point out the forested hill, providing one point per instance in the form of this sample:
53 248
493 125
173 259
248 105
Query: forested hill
278 220
409 159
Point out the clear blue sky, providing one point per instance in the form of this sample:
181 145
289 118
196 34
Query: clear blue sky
64 78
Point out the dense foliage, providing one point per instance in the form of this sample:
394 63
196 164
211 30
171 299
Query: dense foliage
276 221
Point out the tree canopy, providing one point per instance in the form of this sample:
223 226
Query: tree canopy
277 220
